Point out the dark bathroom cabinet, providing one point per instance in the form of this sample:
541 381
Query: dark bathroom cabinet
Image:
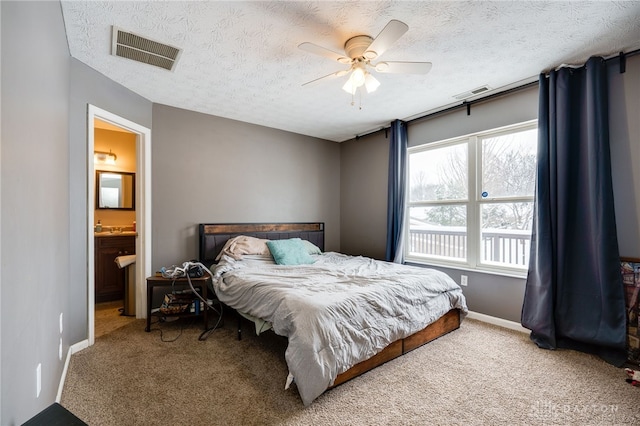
109 278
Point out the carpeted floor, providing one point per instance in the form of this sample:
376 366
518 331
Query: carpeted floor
477 375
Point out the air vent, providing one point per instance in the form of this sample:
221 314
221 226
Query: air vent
473 92
132 46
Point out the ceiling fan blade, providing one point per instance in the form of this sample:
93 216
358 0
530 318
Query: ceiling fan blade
319 50
389 34
403 67
333 74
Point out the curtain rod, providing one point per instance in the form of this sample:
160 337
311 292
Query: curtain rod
623 59
457 106
622 56
468 104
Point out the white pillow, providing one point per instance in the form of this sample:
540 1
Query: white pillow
238 246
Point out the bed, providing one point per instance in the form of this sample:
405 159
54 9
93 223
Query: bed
342 315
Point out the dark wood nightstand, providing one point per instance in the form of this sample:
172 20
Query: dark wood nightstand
178 284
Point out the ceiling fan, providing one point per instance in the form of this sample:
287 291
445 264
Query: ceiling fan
360 51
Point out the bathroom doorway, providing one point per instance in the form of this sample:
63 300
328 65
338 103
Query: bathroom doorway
133 142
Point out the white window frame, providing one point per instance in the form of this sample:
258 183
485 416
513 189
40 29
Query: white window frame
473 203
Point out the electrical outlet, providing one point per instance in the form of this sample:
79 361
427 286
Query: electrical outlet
38 379
61 328
464 280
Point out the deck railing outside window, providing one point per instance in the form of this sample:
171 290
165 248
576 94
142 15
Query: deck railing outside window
498 246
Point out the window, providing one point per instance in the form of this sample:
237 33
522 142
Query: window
470 200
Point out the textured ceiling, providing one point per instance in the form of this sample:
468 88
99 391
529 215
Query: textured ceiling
240 59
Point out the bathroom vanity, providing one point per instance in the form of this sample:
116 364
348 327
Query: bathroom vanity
109 278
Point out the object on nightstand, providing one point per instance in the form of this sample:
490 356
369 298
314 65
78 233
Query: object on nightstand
173 304
179 301
99 226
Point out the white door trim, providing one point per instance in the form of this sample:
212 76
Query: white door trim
143 210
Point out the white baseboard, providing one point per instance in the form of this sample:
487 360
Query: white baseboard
511 325
72 350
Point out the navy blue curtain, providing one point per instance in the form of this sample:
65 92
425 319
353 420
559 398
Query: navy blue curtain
396 190
574 295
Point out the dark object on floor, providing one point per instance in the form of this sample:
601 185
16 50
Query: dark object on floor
55 415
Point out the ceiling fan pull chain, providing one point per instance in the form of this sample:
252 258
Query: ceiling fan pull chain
353 100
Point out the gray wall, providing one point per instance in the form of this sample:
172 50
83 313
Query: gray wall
209 169
35 204
44 198
624 132
90 87
505 110
363 193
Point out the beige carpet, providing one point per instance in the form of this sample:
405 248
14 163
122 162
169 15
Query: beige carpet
477 375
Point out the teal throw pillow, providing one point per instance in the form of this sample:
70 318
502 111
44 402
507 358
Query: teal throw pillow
289 252
311 248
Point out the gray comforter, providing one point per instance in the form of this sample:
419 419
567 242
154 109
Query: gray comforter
338 311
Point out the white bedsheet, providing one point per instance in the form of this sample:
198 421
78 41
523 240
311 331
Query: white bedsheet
338 311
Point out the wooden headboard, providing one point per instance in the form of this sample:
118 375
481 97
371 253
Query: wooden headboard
213 236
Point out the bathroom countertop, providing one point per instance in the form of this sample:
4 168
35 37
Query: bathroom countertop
116 234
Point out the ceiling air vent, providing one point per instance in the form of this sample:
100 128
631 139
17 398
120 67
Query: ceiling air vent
132 46
473 92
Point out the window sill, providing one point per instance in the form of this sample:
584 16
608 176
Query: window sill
509 274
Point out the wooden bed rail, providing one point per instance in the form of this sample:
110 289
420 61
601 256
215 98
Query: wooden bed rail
445 324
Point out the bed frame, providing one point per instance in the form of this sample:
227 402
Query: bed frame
212 238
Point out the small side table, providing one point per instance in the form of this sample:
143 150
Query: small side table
182 283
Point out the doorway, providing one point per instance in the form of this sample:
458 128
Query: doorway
142 210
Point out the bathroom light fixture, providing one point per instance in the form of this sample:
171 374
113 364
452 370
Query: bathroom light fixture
104 157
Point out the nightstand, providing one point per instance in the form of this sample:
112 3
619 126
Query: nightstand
177 284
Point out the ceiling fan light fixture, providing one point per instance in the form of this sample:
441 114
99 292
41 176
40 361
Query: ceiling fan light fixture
349 87
358 76
370 83
356 79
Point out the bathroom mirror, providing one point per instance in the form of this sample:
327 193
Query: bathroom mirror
115 190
